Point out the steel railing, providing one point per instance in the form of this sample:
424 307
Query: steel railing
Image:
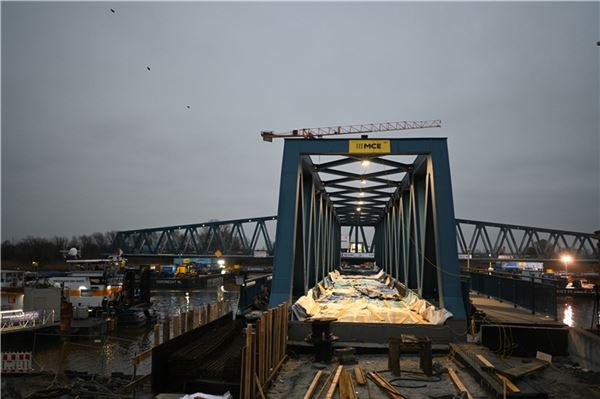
535 294
18 319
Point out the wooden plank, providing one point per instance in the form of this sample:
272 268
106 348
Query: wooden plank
359 375
509 383
458 383
347 390
242 374
385 385
523 369
137 359
313 385
285 327
248 382
463 354
489 364
253 363
483 360
269 341
260 390
274 354
156 334
259 352
334 383
190 320
325 385
343 384
176 326
276 369
166 330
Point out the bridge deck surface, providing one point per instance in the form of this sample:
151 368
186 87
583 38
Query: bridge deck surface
505 312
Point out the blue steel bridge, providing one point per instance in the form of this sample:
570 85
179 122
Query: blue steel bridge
483 241
392 197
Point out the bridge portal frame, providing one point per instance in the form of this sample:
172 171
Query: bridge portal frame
308 226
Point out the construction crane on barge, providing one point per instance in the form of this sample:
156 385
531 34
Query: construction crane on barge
320 132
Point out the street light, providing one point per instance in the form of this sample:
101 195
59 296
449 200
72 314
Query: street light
566 259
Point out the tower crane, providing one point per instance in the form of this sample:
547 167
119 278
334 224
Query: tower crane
319 132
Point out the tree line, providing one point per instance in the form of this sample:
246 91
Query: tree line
41 250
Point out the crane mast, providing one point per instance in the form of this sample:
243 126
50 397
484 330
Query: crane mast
319 132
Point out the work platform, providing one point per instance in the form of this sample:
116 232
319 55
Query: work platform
506 313
517 331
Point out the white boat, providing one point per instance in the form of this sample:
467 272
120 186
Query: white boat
100 283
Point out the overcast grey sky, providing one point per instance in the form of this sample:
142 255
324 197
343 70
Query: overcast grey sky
93 141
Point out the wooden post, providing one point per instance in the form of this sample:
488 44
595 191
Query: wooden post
190 320
156 334
183 322
176 326
166 330
197 318
259 352
285 326
394 355
202 316
270 340
248 379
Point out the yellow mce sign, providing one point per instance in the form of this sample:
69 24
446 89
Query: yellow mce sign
369 146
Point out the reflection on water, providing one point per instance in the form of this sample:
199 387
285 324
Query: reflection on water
568 316
576 311
113 352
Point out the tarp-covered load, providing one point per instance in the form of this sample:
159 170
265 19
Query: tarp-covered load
366 299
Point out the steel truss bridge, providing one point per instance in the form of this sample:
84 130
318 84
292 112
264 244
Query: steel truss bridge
482 241
399 190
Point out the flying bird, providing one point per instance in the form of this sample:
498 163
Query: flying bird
187 106
112 10
148 68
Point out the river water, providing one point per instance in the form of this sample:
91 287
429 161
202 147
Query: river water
113 353
576 311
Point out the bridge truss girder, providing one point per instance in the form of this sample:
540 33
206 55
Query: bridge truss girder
486 240
201 239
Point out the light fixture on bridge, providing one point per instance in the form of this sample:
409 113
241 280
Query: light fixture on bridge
566 259
361 202
361 194
363 181
365 163
358 209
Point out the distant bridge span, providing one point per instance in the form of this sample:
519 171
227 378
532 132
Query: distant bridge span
483 241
